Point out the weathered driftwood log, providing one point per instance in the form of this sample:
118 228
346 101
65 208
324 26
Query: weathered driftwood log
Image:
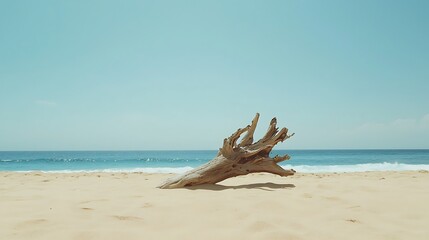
238 159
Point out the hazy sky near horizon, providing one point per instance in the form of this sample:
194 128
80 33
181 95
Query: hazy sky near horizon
141 75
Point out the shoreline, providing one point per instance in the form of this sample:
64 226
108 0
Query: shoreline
301 169
2 172
100 205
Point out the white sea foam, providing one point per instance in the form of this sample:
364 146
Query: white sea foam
358 167
298 168
123 170
152 170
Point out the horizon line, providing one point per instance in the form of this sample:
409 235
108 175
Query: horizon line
179 150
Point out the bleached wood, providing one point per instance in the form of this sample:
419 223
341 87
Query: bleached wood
238 159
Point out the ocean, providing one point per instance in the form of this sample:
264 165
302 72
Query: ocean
306 161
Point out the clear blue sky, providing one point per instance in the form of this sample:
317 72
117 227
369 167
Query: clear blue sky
117 75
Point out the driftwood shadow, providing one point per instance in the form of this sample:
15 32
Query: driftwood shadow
269 186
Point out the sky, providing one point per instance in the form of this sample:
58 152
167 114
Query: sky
183 75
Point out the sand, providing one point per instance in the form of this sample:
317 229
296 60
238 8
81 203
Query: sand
372 205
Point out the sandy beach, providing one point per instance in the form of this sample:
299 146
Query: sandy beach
370 205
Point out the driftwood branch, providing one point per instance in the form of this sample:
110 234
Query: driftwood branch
239 159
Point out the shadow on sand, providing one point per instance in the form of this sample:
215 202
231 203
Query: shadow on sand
269 186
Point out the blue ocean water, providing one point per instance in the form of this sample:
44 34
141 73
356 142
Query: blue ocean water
180 161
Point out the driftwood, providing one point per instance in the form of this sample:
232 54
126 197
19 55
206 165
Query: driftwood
238 159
